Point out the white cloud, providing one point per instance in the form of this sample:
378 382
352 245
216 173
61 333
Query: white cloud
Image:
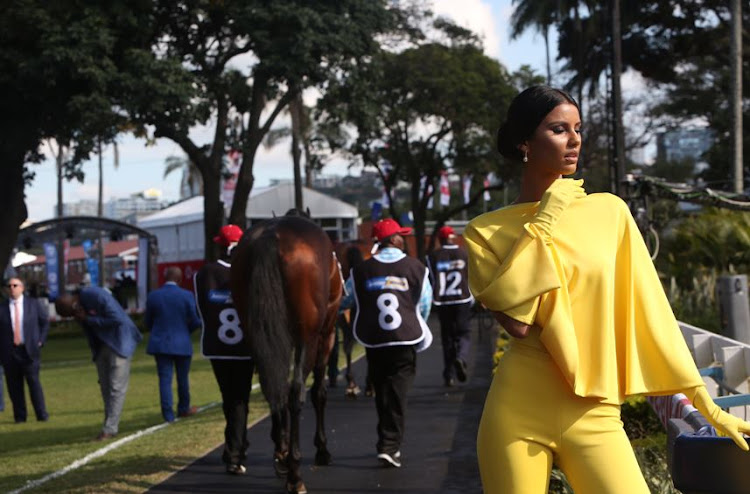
475 15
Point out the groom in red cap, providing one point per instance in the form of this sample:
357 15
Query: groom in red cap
392 295
448 267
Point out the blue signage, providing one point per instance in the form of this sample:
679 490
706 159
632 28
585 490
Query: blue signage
50 257
92 261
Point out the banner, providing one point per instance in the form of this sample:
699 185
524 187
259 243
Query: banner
92 260
50 258
445 190
231 172
467 188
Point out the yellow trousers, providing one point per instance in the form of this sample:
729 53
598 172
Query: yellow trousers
532 418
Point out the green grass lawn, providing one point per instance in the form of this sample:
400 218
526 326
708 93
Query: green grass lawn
32 450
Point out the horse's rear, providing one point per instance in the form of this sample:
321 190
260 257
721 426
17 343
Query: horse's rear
288 288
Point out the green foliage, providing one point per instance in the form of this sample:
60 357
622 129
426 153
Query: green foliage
696 303
714 240
432 107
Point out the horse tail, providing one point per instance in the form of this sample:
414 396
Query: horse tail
268 318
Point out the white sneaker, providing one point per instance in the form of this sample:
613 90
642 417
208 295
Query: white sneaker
236 469
390 460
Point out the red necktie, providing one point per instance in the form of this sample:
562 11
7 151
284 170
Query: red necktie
17 326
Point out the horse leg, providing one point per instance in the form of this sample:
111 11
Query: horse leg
352 390
280 437
294 484
319 395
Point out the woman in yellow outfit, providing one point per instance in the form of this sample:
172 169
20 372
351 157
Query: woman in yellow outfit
569 277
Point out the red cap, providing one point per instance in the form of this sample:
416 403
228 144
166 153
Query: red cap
387 227
228 234
445 232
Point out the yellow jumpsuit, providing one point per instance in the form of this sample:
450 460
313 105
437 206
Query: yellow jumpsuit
607 332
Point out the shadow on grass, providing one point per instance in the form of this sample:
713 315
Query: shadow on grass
109 476
16 437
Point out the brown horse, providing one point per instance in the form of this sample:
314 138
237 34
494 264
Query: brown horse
287 288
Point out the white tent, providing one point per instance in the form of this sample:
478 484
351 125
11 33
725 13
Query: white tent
179 228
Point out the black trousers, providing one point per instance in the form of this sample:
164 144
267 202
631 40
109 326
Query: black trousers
455 334
21 367
235 379
392 371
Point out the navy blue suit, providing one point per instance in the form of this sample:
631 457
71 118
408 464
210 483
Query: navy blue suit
171 316
23 361
112 337
107 323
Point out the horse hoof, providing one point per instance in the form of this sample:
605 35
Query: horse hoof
298 488
280 466
353 392
322 458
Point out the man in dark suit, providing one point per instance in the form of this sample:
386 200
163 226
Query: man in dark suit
171 316
112 337
23 330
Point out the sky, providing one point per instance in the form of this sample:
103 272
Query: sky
142 167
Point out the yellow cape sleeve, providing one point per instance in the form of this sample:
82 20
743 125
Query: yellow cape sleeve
655 358
621 344
509 277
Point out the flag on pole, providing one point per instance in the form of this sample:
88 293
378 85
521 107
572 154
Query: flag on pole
445 190
487 184
467 188
426 189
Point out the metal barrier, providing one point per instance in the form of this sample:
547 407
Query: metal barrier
699 461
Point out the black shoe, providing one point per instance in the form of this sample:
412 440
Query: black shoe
236 469
388 460
460 367
189 412
103 436
449 383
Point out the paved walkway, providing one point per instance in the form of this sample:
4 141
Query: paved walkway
438 453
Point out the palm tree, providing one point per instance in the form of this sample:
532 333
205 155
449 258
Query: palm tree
540 14
100 199
191 183
304 134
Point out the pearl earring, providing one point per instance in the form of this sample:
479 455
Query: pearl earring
525 156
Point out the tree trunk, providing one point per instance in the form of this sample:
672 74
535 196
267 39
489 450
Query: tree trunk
308 164
100 214
213 209
295 110
245 181
59 159
545 32
419 216
11 190
736 95
617 98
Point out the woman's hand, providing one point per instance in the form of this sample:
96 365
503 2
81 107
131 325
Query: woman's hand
724 423
555 201
516 329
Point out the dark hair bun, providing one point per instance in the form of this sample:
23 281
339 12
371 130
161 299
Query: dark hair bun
507 143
